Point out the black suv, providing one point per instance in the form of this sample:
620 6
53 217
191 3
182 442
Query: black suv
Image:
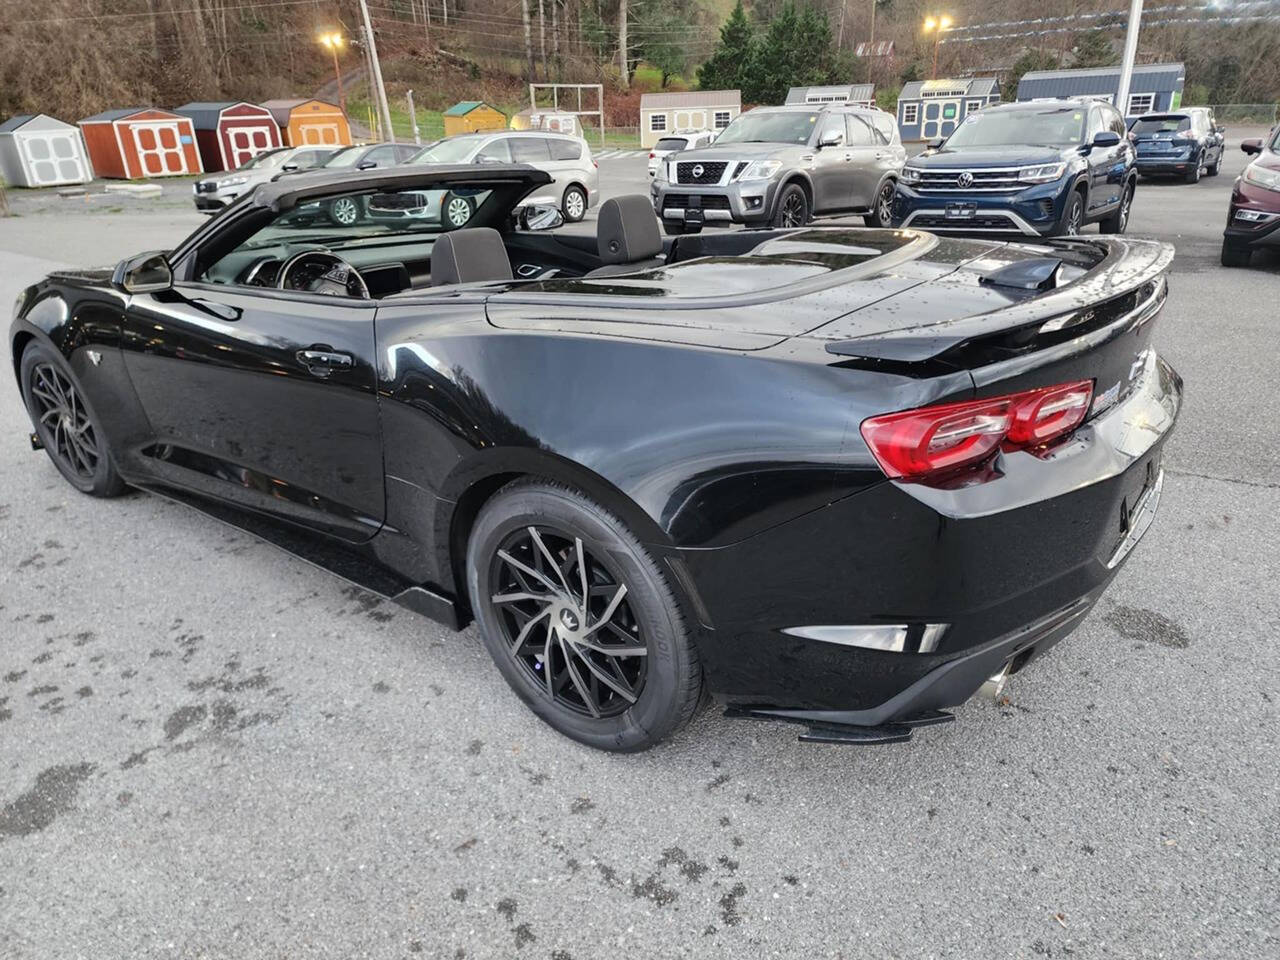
1179 144
1041 168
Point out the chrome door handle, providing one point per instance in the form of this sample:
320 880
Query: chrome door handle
321 361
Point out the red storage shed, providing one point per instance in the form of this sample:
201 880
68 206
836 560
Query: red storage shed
229 133
139 142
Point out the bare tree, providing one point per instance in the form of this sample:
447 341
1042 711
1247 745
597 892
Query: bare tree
625 75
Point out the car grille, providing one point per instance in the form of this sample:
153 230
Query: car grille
397 201
678 201
1003 180
712 171
994 221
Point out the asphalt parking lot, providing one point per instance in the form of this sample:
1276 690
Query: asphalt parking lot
210 749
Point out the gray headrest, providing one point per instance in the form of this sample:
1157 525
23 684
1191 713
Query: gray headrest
627 230
469 256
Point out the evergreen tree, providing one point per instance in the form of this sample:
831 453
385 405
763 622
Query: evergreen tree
725 70
796 51
1093 49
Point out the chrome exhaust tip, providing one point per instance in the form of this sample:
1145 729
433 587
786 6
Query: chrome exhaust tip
993 686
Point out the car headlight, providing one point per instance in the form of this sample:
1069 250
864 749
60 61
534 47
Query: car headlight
911 174
760 170
232 181
661 174
1045 173
1262 177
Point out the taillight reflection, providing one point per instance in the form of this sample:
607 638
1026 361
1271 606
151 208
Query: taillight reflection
930 442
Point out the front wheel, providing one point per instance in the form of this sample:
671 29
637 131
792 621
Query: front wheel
345 211
1235 255
66 424
881 214
793 207
1118 221
580 619
574 204
1072 216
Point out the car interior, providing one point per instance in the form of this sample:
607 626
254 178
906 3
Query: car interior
378 259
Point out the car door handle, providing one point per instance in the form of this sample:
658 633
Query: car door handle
321 360
222 310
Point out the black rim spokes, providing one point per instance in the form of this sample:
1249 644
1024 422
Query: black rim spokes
567 618
68 432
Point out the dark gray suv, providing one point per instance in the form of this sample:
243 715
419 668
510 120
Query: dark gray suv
780 166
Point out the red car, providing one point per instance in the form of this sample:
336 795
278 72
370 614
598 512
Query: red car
1254 218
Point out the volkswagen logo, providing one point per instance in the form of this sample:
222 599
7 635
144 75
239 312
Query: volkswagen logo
965 180
697 170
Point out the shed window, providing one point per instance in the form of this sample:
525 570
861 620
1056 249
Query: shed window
722 119
911 113
657 121
1141 102
972 106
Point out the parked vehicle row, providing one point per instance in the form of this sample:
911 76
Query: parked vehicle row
1183 144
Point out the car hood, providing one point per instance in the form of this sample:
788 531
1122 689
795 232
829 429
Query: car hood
827 284
745 151
1015 155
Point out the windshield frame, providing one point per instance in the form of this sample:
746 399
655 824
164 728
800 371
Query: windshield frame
742 120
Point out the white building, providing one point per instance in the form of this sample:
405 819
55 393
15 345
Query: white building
663 113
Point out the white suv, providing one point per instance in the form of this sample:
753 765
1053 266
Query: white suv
575 178
680 140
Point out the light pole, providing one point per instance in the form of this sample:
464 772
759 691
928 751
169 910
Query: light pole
1130 52
334 42
936 25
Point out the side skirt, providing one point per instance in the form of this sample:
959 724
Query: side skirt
343 562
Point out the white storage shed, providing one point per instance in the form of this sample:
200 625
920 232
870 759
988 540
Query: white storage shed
37 150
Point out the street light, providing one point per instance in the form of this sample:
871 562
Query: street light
334 42
936 25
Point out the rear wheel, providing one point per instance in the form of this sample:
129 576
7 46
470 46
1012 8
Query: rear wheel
1118 221
881 214
1216 168
579 618
344 211
793 207
1235 255
1193 174
66 425
456 211
574 204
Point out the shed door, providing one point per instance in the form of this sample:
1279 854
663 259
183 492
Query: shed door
316 134
53 158
159 148
247 143
940 118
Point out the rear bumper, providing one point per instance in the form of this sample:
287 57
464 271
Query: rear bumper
1167 166
1009 566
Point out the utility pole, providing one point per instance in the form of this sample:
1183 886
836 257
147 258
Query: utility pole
528 39
622 42
1130 53
413 118
384 108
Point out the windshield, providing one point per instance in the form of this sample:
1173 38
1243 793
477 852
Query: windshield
447 151
268 158
1053 127
1149 126
776 126
346 157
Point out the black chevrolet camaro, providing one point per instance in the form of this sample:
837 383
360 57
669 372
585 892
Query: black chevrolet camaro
838 476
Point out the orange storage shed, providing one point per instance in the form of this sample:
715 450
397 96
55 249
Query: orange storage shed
310 123
139 142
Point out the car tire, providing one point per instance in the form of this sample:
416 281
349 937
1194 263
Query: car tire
1118 221
343 212
882 214
456 211
673 228
1214 170
66 424
1072 221
1193 175
525 548
1235 255
791 208
574 204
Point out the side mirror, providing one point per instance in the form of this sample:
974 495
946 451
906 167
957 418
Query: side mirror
539 216
832 138
1251 146
289 168
935 144
1106 138
366 164
145 273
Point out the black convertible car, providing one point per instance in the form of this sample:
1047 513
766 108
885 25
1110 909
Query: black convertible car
835 476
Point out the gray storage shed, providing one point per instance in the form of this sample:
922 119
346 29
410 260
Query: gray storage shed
863 94
933 108
37 150
1154 87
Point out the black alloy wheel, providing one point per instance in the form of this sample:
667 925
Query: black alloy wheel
580 619
882 214
793 207
65 425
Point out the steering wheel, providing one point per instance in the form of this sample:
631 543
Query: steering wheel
319 271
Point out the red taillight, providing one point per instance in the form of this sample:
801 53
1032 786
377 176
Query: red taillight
652 155
916 444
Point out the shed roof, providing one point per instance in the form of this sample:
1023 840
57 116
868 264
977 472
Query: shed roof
852 92
119 114
205 114
691 98
463 107
969 87
1149 77
1145 69
280 109
13 123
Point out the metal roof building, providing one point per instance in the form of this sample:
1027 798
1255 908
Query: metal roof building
37 150
859 93
663 113
1153 87
932 108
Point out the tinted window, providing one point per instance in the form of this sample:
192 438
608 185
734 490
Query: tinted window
529 150
671 143
495 151
1097 123
1149 126
381 157
565 150
832 125
405 150
310 158
456 150
1115 122
1055 126
770 126
859 134
885 126
346 157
